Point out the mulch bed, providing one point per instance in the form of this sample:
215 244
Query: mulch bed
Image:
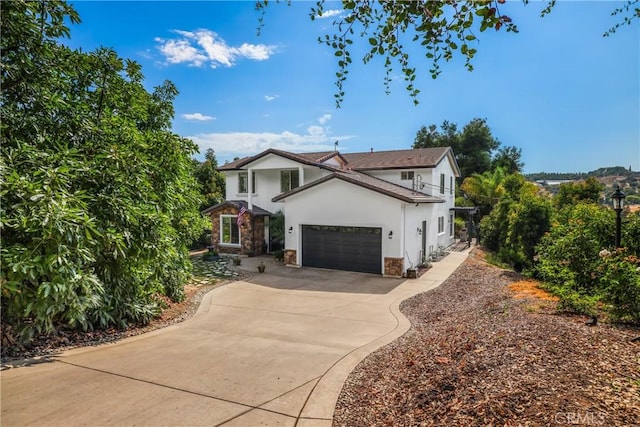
481 353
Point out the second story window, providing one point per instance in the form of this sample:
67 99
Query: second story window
289 180
406 175
450 185
243 182
441 183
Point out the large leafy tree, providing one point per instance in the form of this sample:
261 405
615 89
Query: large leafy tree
484 190
212 183
517 222
473 147
98 200
571 193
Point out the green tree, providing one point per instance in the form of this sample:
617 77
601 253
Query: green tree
517 222
212 183
443 30
98 199
571 193
484 190
473 146
509 159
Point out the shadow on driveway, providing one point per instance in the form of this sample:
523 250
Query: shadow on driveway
323 280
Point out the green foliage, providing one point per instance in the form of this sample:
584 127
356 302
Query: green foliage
443 29
529 220
509 159
568 254
276 230
211 181
516 223
99 203
484 190
620 283
473 147
571 193
578 263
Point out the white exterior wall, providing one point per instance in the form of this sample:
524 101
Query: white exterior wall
443 209
341 203
268 181
393 175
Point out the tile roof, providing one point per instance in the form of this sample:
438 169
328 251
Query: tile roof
257 210
372 183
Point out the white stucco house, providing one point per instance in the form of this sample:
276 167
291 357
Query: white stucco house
376 212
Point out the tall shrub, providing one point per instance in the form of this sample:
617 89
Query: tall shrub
98 199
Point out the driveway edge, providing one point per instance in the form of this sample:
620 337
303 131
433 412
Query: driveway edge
320 405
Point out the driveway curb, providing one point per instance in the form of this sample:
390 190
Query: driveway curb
320 405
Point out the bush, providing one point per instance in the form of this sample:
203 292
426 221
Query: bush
621 284
278 255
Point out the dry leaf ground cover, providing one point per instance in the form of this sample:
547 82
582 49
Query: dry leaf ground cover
483 353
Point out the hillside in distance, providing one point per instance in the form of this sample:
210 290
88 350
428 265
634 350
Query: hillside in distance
618 171
610 177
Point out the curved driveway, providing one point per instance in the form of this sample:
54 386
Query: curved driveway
272 350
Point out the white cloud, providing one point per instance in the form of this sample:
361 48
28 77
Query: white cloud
198 117
233 144
198 47
177 51
329 13
270 98
258 52
324 118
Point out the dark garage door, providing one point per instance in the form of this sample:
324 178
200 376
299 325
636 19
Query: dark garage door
342 248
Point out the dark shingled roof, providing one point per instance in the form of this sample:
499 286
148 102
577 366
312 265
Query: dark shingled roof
257 211
375 160
367 181
313 159
397 159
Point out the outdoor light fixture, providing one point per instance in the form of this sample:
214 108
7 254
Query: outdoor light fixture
419 231
290 230
391 234
617 198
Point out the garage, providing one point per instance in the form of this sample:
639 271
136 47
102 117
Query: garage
342 248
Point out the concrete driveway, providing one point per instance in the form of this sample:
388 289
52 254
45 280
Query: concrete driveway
272 350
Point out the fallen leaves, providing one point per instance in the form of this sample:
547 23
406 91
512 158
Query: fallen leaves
476 355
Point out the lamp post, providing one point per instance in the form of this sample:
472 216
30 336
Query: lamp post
618 204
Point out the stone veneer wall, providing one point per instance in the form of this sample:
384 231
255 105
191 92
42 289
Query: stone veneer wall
251 240
393 266
290 257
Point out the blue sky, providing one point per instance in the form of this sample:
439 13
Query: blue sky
569 98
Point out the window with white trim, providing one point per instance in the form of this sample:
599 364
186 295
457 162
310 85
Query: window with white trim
441 183
229 231
406 175
289 180
451 186
440 224
243 182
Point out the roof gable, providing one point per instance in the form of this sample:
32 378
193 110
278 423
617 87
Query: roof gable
373 160
305 159
371 183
